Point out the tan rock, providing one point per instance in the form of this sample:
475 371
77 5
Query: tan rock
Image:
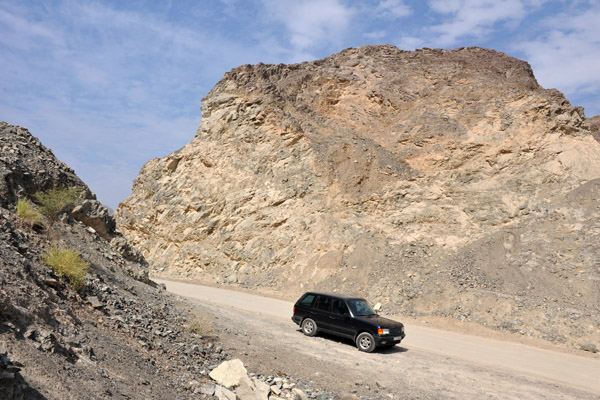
230 373
345 173
223 394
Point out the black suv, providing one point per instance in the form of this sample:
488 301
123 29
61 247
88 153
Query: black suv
346 316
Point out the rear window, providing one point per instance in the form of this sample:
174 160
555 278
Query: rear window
307 300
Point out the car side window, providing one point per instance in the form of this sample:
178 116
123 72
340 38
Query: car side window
308 300
323 303
340 307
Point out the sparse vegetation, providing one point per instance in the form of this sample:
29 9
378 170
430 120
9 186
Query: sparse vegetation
199 328
52 202
27 213
67 263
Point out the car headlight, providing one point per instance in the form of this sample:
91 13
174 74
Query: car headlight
383 331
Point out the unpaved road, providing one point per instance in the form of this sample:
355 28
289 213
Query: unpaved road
429 363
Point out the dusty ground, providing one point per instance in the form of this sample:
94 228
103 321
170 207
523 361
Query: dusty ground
430 363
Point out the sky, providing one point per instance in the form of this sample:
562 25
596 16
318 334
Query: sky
109 85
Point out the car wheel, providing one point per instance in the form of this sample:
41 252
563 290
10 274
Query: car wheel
309 327
365 342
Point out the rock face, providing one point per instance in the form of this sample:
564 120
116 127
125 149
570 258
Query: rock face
437 182
121 336
110 339
26 166
594 124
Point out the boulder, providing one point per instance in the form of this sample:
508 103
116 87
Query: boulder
230 373
95 215
223 394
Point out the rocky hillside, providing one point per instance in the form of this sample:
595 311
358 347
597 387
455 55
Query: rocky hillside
121 336
594 124
438 182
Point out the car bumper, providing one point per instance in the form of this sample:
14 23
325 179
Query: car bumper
297 319
387 340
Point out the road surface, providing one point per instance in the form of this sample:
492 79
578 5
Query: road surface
429 363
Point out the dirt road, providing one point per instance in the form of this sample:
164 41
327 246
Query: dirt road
430 363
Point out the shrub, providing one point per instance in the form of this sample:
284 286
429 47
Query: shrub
27 213
52 202
199 328
67 263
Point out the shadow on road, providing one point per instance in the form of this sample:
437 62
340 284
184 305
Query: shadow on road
344 341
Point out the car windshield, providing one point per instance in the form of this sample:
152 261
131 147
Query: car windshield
360 307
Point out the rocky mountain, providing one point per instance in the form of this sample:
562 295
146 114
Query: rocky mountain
444 183
121 336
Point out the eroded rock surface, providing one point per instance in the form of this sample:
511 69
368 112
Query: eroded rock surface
26 166
594 124
122 336
437 182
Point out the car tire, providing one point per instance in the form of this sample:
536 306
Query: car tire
365 342
309 327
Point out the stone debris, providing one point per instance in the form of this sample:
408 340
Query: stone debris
8 375
589 347
94 302
232 378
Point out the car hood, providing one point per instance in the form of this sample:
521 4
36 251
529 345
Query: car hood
381 321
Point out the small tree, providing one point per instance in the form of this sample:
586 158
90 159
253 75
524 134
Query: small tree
67 263
52 202
27 213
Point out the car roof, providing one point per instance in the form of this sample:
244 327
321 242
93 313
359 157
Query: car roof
336 295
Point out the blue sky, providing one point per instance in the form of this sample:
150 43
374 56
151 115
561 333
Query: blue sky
109 85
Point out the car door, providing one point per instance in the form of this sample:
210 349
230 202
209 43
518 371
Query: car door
340 320
321 312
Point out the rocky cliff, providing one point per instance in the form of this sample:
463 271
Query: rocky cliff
120 336
438 182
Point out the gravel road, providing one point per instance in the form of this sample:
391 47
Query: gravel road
429 363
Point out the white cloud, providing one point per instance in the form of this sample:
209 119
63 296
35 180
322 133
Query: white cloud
22 35
566 54
97 84
375 35
409 43
311 24
472 18
393 8
109 86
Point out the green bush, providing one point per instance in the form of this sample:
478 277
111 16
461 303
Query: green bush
52 202
67 263
27 213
